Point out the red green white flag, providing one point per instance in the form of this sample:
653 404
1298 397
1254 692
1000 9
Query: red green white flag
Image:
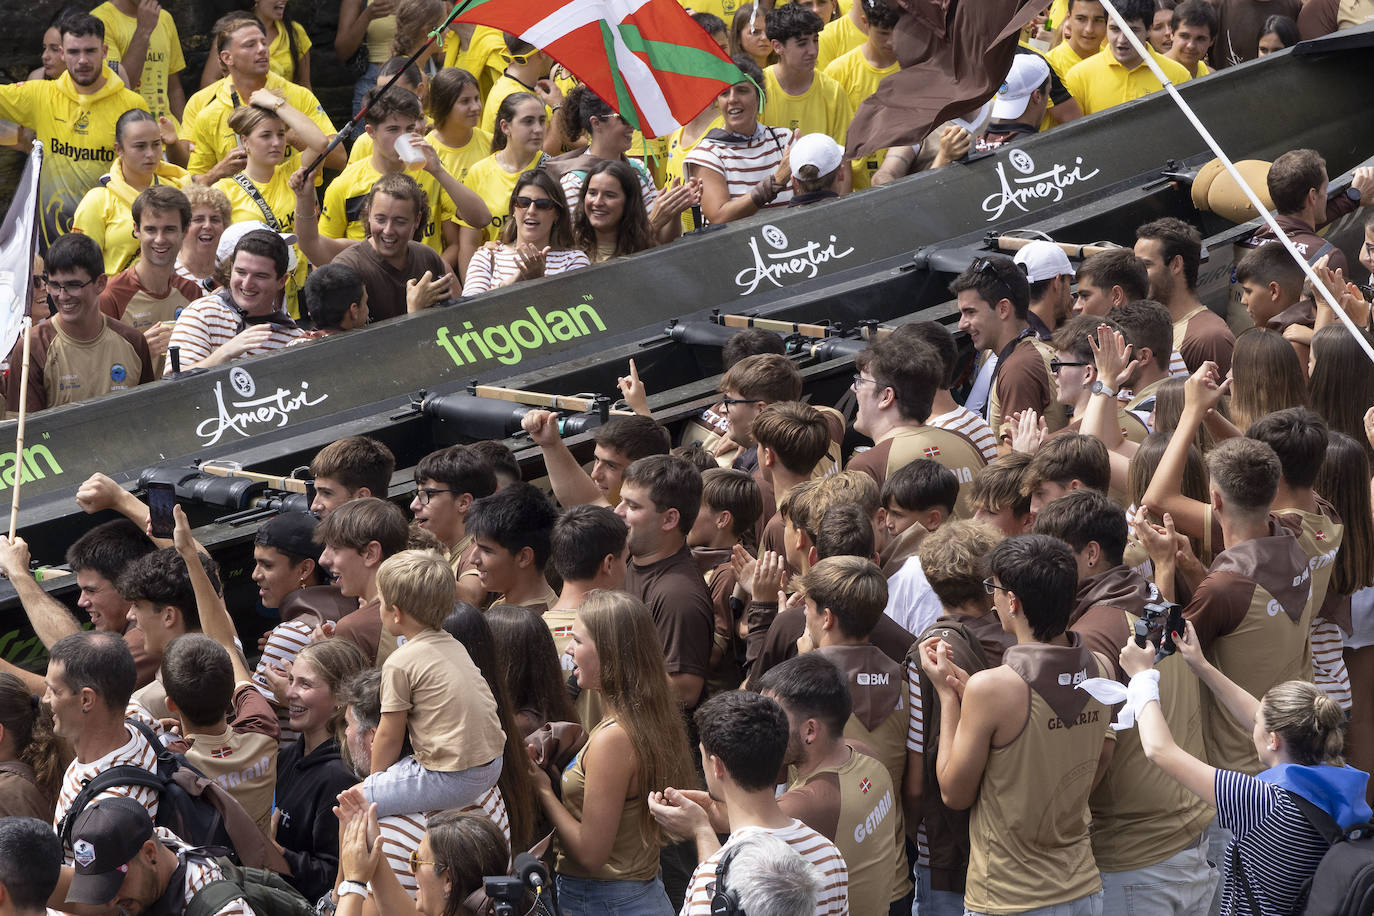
647 58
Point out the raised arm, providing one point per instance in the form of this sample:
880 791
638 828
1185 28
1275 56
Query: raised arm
571 485
320 249
49 617
1202 392
215 621
306 130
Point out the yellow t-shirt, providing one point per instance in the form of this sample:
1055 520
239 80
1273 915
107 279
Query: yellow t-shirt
824 108
503 87
860 79
281 200
481 58
1100 82
494 184
77 133
725 9
343 203
206 120
677 153
838 38
362 148
457 160
164 57
281 62
1063 58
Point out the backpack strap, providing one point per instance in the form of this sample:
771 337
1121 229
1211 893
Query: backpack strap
123 775
213 897
1321 822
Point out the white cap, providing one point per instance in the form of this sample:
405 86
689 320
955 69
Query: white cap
230 240
1028 73
818 150
1043 261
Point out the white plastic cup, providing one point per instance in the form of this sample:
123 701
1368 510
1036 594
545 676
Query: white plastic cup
410 154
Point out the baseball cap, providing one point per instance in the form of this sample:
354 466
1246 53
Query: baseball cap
291 532
236 231
818 150
1043 261
1028 73
106 837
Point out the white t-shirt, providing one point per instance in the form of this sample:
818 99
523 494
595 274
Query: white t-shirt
910 599
833 899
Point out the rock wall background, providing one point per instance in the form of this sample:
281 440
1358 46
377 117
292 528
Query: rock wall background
26 20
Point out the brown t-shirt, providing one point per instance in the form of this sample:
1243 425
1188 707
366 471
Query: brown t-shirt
676 596
1023 383
777 642
126 300
64 370
19 792
905 444
242 757
1203 335
385 285
363 628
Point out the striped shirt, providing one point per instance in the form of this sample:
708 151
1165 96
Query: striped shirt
401 834
284 642
208 323
1276 845
489 267
199 873
833 899
916 743
743 164
962 420
135 752
1328 661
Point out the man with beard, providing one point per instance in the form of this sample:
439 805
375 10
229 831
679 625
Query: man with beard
74 117
1172 252
150 293
246 319
399 274
78 353
243 50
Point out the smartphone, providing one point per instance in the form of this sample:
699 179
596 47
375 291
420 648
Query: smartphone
161 498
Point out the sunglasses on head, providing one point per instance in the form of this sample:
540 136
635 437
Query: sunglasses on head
539 203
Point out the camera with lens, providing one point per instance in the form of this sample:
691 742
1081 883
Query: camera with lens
1158 622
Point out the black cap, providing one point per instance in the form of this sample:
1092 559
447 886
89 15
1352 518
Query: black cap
106 837
291 532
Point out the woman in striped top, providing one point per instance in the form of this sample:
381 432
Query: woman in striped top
743 166
536 239
1298 732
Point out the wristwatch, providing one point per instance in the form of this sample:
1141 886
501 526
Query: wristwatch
1354 194
1100 388
352 887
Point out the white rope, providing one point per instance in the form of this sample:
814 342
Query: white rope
1317 285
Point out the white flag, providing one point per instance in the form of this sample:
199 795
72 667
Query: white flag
18 244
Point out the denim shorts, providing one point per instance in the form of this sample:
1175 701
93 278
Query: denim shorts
588 897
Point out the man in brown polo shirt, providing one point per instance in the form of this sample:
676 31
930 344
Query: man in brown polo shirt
994 302
1298 185
895 386
1172 252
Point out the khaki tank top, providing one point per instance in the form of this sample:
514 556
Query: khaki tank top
634 855
1028 830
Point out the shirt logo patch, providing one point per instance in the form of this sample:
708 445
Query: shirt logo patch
83 123
84 853
1321 535
931 451
864 785
118 373
220 753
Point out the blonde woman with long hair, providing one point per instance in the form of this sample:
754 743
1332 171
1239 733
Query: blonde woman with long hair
608 843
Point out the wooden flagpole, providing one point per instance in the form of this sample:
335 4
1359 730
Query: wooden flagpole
19 436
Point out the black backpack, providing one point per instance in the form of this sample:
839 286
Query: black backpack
1343 884
267 892
198 810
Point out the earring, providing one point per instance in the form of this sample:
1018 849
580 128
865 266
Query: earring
302 582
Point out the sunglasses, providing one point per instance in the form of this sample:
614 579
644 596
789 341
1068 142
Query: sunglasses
415 862
538 203
1056 365
518 60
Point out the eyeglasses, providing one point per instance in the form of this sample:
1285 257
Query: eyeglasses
425 494
64 288
859 381
992 587
538 203
1057 364
613 116
415 862
727 401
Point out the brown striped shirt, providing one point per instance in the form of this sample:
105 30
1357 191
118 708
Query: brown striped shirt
401 834
208 323
135 752
833 899
970 425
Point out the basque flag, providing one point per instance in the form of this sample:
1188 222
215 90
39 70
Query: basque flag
646 58
18 245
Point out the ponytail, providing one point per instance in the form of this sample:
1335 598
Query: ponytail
30 727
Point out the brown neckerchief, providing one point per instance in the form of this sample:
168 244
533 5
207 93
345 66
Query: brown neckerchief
1054 672
877 698
1276 563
